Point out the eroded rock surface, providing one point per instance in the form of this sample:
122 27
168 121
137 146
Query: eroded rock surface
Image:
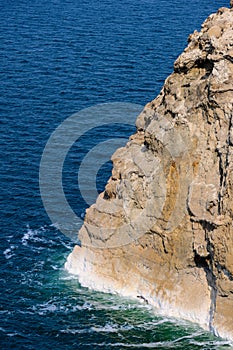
162 231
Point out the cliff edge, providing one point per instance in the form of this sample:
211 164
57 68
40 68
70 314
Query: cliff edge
162 231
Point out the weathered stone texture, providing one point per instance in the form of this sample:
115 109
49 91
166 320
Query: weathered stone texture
162 230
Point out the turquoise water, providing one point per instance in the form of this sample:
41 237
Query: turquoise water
56 58
44 307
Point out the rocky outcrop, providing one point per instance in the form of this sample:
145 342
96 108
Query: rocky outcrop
162 231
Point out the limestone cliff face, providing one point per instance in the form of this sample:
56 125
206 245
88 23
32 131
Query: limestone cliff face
162 230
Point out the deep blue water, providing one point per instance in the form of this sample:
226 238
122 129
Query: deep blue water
57 58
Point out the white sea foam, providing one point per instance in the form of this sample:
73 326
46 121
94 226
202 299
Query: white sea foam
4 312
9 252
54 306
111 328
74 331
85 306
33 235
107 328
151 345
78 264
10 334
68 278
168 344
212 343
116 307
14 334
44 308
67 245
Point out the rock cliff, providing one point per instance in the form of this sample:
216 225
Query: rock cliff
162 231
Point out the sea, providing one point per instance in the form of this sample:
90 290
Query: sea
57 58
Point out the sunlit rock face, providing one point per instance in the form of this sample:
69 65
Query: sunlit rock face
162 231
